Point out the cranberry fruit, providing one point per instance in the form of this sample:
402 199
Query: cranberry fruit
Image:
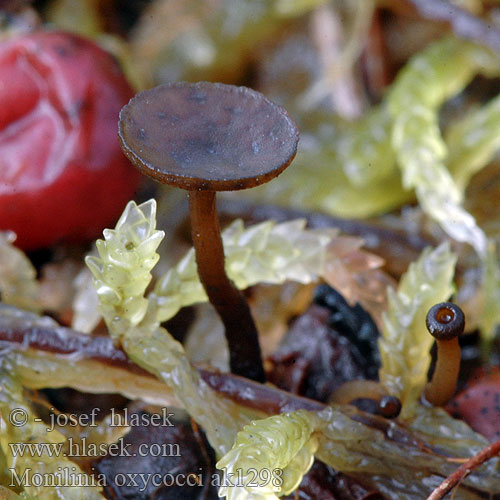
63 176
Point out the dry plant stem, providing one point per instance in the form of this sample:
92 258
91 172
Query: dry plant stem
375 60
464 470
464 24
229 302
337 58
444 380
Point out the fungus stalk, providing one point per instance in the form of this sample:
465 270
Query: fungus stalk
444 380
388 406
229 302
356 389
445 323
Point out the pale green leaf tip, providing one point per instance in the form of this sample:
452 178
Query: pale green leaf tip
127 255
281 446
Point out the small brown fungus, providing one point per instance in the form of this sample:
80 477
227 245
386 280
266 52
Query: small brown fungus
384 404
207 137
445 323
389 406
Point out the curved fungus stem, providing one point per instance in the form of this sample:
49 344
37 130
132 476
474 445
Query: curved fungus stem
388 406
229 302
445 323
357 389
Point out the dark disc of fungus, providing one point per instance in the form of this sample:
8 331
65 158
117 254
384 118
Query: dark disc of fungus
445 321
207 136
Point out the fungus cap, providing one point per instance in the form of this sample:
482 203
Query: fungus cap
207 136
445 321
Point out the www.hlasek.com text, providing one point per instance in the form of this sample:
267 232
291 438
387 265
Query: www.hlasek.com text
82 448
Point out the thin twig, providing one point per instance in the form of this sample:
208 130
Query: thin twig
463 23
464 470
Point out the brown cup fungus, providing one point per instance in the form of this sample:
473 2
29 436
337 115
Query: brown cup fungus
445 323
207 137
387 406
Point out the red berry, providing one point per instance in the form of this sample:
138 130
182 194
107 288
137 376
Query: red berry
479 404
63 176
